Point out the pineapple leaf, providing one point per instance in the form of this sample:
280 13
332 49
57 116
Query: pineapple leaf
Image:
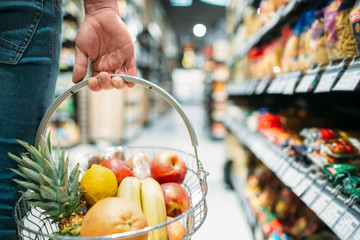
74 183
49 143
36 156
62 195
54 214
50 172
31 174
31 163
48 193
32 195
25 161
65 178
46 181
20 174
28 185
45 205
45 152
59 161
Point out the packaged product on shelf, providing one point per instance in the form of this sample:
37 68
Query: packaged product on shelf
305 36
318 52
273 53
355 23
340 39
251 22
337 172
290 58
255 56
314 137
339 149
351 185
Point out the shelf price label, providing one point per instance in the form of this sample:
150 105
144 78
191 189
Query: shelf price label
346 225
260 88
310 195
302 186
290 83
292 177
282 170
356 234
332 213
305 83
277 163
275 84
326 82
321 203
349 80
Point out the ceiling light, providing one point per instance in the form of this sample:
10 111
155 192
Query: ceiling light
199 30
181 3
216 2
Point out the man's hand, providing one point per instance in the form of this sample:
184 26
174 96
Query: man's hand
104 40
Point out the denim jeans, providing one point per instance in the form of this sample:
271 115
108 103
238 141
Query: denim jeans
29 65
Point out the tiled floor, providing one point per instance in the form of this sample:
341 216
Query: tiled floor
225 220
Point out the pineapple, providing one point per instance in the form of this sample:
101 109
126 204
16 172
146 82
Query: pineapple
49 186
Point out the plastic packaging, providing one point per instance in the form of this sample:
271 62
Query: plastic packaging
317 47
337 172
305 36
339 149
340 39
355 23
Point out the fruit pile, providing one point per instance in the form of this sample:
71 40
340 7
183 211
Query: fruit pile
113 196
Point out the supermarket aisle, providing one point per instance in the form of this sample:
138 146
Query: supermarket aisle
225 219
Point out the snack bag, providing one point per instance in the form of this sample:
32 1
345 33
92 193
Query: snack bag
340 39
355 23
318 51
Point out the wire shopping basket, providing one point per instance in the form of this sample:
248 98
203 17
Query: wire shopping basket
32 224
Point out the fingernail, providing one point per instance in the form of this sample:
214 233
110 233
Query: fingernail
116 83
92 84
102 79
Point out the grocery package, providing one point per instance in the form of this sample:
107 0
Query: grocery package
289 61
304 43
317 46
355 23
280 212
340 39
337 172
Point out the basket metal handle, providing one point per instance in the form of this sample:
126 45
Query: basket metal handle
142 82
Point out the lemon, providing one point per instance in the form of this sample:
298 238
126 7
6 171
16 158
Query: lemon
98 183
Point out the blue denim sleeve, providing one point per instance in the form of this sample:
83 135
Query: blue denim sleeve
29 65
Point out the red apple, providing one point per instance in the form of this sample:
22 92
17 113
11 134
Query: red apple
167 166
177 200
120 168
176 230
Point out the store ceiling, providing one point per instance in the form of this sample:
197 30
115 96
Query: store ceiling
184 18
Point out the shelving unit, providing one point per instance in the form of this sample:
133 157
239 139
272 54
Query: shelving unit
326 93
340 212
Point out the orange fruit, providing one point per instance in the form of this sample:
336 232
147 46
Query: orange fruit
113 215
98 183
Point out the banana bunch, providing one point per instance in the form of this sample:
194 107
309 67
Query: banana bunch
147 194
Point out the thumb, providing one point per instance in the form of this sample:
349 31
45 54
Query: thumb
80 66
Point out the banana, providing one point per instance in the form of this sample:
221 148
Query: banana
130 188
154 208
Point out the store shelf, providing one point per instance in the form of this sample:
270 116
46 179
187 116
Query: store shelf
286 16
239 186
341 76
340 212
